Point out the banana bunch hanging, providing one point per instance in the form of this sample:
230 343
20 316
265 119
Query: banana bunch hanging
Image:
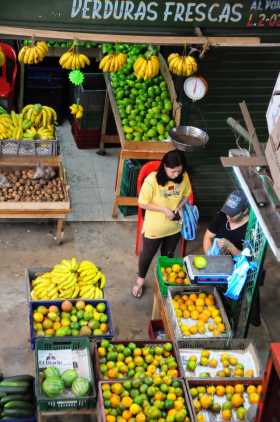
2 57
146 68
34 53
77 110
112 62
73 60
182 65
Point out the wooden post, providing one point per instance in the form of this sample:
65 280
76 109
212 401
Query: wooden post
102 150
118 185
251 129
59 231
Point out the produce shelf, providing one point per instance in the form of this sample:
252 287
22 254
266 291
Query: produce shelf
245 350
101 405
32 210
34 305
184 290
138 343
160 146
77 351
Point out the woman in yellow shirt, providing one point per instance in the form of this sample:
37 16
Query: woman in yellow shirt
162 195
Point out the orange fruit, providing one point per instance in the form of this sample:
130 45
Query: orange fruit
126 414
226 415
110 418
206 401
140 417
112 373
135 408
220 390
117 388
237 400
106 387
254 398
229 389
127 401
193 297
38 317
251 389
115 400
239 388
101 351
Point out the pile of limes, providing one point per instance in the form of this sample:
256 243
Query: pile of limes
145 107
133 361
145 400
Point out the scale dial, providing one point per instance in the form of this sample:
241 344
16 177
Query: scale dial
195 87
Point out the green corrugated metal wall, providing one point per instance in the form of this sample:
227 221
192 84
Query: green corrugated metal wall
233 75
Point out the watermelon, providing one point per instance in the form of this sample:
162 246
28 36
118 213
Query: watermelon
53 386
69 376
51 371
80 387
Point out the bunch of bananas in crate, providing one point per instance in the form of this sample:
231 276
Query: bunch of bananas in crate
34 53
72 59
68 280
34 122
146 68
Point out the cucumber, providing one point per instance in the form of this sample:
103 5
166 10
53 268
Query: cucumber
26 378
12 397
14 390
18 413
14 383
18 404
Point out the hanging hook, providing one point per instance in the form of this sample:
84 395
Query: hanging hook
205 47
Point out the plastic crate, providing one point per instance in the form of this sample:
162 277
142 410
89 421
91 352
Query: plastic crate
181 290
227 345
85 138
53 345
33 305
164 261
217 418
101 408
139 343
36 147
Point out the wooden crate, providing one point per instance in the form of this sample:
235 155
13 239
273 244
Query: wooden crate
35 209
160 146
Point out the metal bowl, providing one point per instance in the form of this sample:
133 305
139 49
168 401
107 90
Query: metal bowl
187 138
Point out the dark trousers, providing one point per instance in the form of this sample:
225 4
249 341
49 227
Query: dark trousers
150 247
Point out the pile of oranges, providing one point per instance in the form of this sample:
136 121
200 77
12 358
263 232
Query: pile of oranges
174 274
198 314
119 360
224 400
149 399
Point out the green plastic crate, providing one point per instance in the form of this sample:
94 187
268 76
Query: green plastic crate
164 261
49 350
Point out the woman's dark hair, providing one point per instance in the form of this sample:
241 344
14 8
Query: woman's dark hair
171 160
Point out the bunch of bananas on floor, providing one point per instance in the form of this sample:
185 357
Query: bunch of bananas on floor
112 62
33 54
2 57
72 59
146 68
77 110
68 280
182 65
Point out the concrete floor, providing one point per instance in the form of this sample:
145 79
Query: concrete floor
111 246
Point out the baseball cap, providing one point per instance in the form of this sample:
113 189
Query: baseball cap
236 202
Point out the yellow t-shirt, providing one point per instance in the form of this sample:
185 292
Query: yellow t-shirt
156 224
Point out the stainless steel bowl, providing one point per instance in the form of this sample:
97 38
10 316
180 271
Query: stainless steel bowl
187 138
